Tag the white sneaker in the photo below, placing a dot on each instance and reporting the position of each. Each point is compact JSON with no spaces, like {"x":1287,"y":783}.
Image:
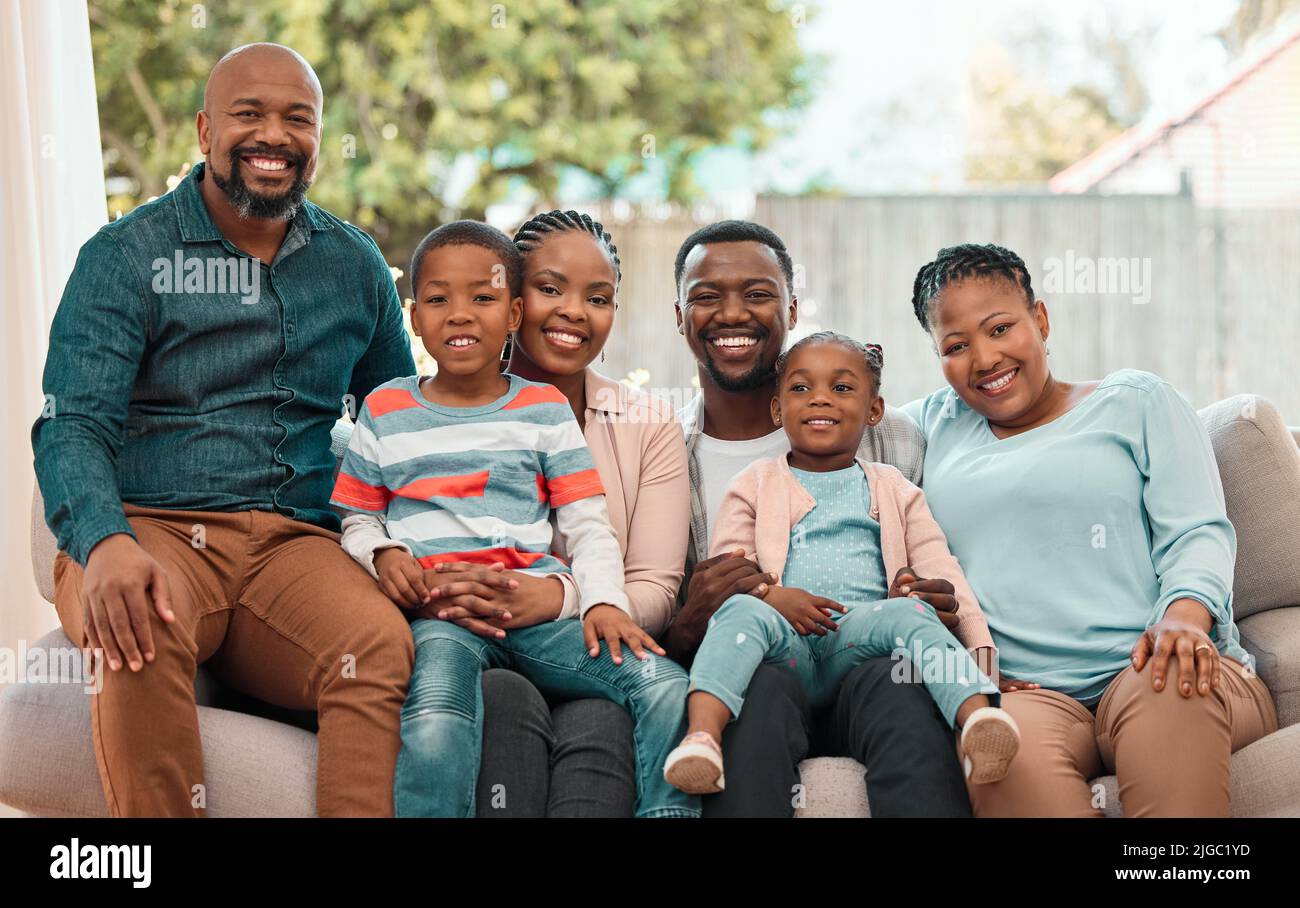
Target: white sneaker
{"x":695,"y":765}
{"x":989,"y":739}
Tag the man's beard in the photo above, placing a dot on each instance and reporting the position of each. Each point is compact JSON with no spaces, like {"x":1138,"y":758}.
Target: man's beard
{"x":250,"y":204}
{"x":761,"y":375}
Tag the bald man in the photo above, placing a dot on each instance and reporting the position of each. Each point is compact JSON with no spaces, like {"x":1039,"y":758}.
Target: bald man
{"x":203,"y":348}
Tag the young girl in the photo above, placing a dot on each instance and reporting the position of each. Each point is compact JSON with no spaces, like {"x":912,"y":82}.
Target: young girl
{"x":823,"y":520}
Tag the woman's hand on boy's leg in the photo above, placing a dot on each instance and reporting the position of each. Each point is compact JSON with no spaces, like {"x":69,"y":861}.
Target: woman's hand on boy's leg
{"x":611,"y":624}
{"x":807,"y":614}
{"x":508,"y":599}
{"x":941,"y":594}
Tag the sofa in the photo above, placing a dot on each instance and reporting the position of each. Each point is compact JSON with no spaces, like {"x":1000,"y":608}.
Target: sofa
{"x":261,"y":762}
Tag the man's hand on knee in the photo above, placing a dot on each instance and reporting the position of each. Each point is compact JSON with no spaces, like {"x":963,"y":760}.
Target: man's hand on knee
{"x":122,"y":583}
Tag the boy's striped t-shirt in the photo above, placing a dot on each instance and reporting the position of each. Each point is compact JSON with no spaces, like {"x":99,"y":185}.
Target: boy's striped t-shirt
{"x":472,"y":484}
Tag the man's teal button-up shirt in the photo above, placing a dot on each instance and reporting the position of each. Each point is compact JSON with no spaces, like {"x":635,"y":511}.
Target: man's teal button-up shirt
{"x":184,"y":374}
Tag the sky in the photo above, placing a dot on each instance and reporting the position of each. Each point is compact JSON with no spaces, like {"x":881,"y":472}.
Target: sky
{"x":889,"y":113}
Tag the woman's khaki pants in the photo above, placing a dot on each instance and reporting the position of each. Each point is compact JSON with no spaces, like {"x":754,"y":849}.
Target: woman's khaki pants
{"x":1172,"y":755}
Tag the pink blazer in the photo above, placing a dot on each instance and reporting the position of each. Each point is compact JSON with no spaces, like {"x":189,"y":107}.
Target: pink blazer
{"x":765,"y":501}
{"x":640,"y":454}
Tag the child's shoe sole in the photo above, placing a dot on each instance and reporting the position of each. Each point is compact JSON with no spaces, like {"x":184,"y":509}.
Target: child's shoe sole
{"x":989,"y":739}
{"x":695,"y":769}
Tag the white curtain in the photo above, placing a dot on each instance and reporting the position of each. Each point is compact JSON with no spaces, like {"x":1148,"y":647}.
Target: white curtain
{"x":51,"y":201}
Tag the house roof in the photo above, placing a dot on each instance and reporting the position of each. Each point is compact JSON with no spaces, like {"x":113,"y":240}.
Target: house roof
{"x":1087,"y":172}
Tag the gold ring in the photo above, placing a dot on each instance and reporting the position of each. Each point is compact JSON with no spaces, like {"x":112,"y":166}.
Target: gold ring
{"x":1201,"y":647}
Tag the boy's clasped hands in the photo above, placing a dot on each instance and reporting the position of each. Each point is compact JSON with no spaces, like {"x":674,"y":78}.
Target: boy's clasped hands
{"x":489,"y":600}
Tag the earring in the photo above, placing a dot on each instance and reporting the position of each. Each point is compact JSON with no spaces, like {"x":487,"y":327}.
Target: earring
{"x":602,"y":356}
{"x":777,"y":419}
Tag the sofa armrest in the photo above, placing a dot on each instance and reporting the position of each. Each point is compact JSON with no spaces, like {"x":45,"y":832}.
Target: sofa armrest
{"x":1273,"y":638}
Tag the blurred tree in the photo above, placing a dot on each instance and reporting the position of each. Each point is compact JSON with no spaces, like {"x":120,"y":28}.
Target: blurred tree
{"x":1023,"y":129}
{"x":1254,"y":17}
{"x":435,"y":109}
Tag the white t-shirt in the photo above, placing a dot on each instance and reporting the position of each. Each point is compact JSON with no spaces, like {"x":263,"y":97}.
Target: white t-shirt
{"x":720,"y":461}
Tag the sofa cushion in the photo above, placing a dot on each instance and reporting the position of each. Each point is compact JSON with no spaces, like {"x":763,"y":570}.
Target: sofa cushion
{"x":1273,"y":638}
{"x":832,"y":787}
{"x":1260,"y":467}
{"x":254,"y":767}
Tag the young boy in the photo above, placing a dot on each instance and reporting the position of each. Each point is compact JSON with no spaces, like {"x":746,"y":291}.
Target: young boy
{"x":468,"y":466}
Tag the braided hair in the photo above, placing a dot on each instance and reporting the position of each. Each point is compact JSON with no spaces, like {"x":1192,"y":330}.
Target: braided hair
{"x":957,"y":263}
{"x":533,"y":233}
{"x":872,"y":354}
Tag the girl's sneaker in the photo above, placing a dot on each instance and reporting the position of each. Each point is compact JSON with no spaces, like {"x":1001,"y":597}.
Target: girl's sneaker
{"x":695,"y":765}
{"x":989,"y":739}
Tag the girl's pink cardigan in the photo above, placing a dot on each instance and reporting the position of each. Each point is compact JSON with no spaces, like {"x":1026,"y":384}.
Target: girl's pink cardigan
{"x":765,"y":501}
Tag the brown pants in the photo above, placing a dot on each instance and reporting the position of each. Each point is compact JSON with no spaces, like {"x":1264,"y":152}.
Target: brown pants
{"x":280,"y":612}
{"x":1172,"y":756}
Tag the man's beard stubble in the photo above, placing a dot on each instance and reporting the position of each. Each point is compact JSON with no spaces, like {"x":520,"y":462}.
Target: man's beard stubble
{"x":250,"y":204}
{"x":761,"y":375}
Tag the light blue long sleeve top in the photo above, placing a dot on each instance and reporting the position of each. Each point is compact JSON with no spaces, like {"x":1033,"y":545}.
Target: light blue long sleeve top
{"x":1078,"y":534}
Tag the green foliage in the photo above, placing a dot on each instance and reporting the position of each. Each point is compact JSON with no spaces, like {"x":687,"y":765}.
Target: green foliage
{"x":524,"y":91}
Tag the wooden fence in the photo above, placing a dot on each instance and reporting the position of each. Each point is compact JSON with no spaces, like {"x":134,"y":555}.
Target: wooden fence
{"x":1209,"y":299}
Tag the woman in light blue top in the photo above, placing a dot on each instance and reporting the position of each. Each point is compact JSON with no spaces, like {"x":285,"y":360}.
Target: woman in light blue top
{"x":1089,"y":519}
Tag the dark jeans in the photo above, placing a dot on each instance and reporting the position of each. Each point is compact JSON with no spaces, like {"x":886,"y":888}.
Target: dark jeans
{"x":577,"y":759}
{"x":572,"y":759}
{"x":894,"y":730}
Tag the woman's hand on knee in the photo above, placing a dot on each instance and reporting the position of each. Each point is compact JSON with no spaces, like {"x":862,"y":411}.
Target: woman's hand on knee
{"x":1180,"y":635}
{"x":615,"y":626}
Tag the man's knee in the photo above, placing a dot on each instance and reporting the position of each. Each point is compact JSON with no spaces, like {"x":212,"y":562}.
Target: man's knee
{"x":380,"y":648}
{"x":889,"y":687}
{"x":775,"y":697}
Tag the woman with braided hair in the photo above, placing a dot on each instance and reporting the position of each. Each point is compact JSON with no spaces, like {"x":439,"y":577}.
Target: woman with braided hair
{"x":576,"y":759}
{"x":1089,"y":519}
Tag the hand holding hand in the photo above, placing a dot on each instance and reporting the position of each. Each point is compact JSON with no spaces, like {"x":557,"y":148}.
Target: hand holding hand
{"x":941,"y":594}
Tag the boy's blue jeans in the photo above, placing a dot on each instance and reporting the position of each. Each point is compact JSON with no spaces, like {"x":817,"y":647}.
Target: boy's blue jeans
{"x":442,"y":720}
{"x":746,"y":632}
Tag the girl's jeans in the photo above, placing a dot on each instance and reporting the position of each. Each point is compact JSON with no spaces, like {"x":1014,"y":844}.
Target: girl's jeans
{"x":746,"y":632}
{"x":442,"y":720}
